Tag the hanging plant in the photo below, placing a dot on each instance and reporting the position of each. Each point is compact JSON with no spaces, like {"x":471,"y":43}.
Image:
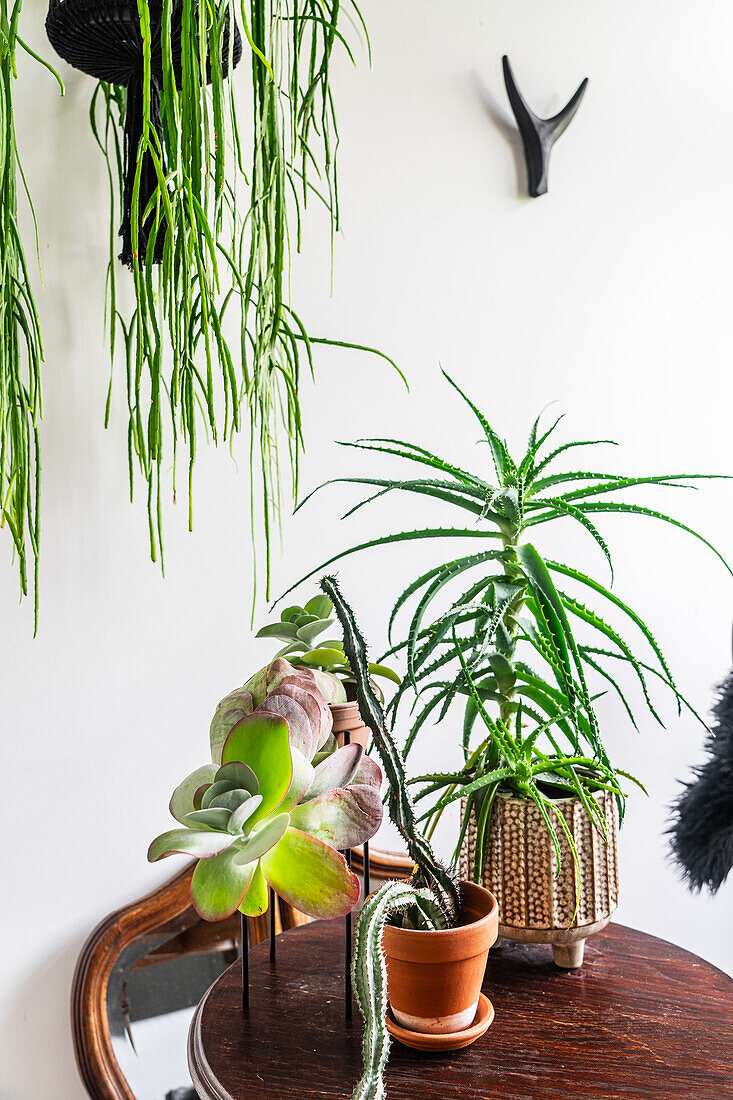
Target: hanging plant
{"x":202,"y":238}
{"x":21,"y":347}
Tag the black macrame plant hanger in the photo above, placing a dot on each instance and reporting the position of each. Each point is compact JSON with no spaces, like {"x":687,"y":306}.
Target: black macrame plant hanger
{"x":103,"y":39}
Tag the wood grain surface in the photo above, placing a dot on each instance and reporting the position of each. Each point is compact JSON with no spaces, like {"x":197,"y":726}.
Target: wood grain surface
{"x":641,"y":1019}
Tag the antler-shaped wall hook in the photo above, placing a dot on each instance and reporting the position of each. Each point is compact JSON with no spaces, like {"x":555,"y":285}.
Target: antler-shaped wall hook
{"x":538,"y":134}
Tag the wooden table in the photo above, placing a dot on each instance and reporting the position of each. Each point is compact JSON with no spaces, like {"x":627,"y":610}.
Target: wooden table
{"x":641,"y":1018}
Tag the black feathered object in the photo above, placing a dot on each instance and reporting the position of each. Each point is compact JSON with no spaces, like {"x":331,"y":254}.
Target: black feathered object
{"x":104,"y":40}
{"x":702,"y":828}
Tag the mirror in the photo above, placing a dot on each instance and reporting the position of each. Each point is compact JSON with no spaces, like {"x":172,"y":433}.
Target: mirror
{"x":152,"y":993}
{"x":141,"y":975}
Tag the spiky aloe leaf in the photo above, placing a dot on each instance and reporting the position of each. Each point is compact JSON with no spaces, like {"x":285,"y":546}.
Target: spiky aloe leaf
{"x":558,"y":507}
{"x":400,"y":536}
{"x":502,"y":460}
{"x":411,"y":451}
{"x":369,"y":975}
{"x":577,"y":575}
{"x":588,"y":616}
{"x":401,"y":808}
{"x":638,"y":510}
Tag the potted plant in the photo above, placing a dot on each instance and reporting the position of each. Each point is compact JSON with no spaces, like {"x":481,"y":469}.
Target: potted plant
{"x":506,"y":640}
{"x":421,"y":947}
{"x":299,"y":628}
{"x":274,"y":804}
{"x":539,"y":828}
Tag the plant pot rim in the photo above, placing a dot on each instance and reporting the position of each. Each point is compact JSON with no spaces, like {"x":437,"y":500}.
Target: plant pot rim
{"x":564,"y":801}
{"x":445,"y":935}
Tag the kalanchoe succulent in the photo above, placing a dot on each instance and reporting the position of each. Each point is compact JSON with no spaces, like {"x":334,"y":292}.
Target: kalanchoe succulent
{"x":299,"y":628}
{"x":275,"y":804}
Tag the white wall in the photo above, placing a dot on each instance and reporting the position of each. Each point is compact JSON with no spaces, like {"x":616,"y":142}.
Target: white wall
{"x":610,"y":295}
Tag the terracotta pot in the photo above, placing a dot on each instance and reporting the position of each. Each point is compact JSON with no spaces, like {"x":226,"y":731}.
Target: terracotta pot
{"x":346,"y":717}
{"x":434,"y":978}
{"x":536,"y":904}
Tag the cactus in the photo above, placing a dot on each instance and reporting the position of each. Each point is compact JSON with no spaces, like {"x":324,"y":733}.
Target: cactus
{"x":369,"y":974}
{"x":430,"y":871}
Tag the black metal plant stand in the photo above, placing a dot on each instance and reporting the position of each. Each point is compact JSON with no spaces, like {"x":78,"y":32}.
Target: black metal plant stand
{"x":347,"y":930}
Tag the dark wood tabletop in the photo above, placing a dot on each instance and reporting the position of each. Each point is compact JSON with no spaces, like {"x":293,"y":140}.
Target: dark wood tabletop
{"x":640,"y":1019}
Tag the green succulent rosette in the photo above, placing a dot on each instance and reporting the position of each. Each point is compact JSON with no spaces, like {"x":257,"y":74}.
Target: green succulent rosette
{"x":275,"y":804}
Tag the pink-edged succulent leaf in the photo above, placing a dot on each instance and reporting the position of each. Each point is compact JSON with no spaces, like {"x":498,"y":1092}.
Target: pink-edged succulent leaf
{"x":268,"y":678}
{"x":241,"y":816}
{"x":219,"y":885}
{"x":342,"y":818}
{"x":330,"y":687}
{"x":229,"y":711}
{"x":262,"y":742}
{"x":368,"y":774}
{"x":302,"y":735}
{"x":190,"y":842}
{"x":307,"y":694}
{"x":311,"y":876}
{"x":211,"y":792}
{"x":255,"y":901}
{"x":303,"y":775}
{"x":208,"y":819}
{"x":182,"y":799}
{"x":337,"y":770}
{"x":239,"y":775}
{"x":230,"y":800}
{"x":262,"y":838}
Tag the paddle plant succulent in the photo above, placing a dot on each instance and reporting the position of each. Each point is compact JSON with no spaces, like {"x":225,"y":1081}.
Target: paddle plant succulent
{"x":299,"y":627}
{"x":275,"y":803}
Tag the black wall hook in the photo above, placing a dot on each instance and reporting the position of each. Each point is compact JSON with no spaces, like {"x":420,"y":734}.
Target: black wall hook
{"x":538,"y":134}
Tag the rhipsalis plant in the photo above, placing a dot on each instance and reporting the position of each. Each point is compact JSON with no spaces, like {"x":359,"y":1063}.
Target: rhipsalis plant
{"x":430,"y":871}
{"x":299,"y":628}
{"x":209,"y":226}
{"x":21,"y":347}
{"x":523,"y":637}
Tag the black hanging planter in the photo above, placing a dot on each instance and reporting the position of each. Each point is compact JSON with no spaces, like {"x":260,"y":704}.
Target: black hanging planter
{"x":103,"y":39}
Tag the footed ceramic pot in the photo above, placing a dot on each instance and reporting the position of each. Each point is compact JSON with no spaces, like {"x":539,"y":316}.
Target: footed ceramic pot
{"x":536,"y":904}
{"x":434,"y":978}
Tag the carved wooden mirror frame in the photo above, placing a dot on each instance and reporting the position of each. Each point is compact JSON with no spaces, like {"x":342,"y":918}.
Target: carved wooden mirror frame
{"x":166,"y":911}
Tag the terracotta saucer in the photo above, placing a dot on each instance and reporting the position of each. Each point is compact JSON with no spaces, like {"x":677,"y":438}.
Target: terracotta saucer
{"x":455,"y":1040}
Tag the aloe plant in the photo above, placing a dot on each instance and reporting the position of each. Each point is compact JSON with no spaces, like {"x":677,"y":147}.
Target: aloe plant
{"x":525,"y":764}
{"x":275,"y":804}
{"x":299,"y":628}
{"x":21,"y":345}
{"x":516,"y":626}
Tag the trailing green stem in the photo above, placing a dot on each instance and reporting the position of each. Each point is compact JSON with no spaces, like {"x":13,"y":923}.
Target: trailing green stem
{"x":21,"y":346}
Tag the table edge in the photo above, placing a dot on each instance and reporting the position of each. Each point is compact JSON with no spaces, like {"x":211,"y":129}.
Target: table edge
{"x":202,"y":1075}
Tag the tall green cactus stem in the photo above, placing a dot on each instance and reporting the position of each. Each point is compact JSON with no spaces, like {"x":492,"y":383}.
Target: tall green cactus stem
{"x":369,"y":975}
{"x":401,"y":808}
